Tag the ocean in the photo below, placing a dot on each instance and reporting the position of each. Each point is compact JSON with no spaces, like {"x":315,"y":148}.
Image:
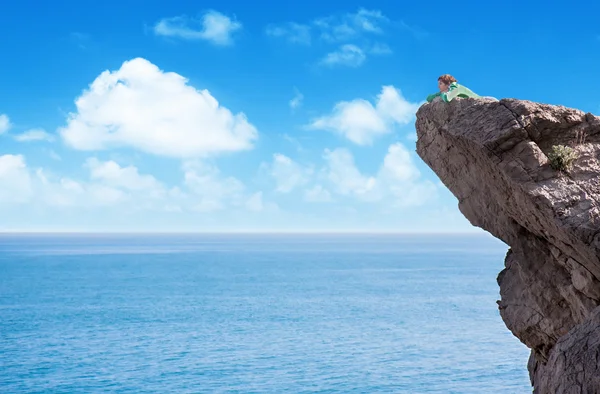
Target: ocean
{"x":255,"y":313}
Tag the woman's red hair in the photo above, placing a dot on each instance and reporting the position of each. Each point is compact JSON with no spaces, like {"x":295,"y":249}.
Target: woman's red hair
{"x":447,"y":79}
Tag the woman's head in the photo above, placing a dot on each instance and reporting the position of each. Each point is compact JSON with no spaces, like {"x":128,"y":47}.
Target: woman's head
{"x":444,"y":82}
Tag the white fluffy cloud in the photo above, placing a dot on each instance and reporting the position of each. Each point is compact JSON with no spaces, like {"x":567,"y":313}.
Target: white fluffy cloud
{"x":347,"y":55}
{"x":403,"y":179}
{"x":111,"y":188}
{"x":288,"y":174}
{"x":397,"y":180}
{"x":15,"y":180}
{"x":108,"y":184}
{"x":380,"y":49}
{"x":255,"y":202}
{"x":361,"y":122}
{"x":213,"y":26}
{"x":202,"y":189}
{"x":342,"y":173}
{"x":5,"y":124}
{"x":353,"y":30}
{"x":54,"y":191}
{"x":34,"y":135}
{"x":210,"y":190}
{"x":296,"y":33}
{"x":129,"y":178}
{"x":157,"y":112}
{"x":398,"y":165}
{"x":317,"y":194}
{"x":337,"y":28}
{"x":333,"y":28}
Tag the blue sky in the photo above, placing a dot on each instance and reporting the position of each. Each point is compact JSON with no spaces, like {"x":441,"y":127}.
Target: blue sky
{"x":257,"y":116}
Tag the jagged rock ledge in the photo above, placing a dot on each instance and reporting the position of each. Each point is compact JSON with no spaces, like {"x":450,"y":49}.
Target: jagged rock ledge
{"x":493,"y":156}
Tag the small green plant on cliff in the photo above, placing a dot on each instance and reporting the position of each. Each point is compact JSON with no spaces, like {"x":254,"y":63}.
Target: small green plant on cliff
{"x":562,"y":157}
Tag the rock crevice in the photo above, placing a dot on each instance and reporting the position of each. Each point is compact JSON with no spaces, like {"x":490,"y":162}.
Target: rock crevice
{"x":493,"y":156}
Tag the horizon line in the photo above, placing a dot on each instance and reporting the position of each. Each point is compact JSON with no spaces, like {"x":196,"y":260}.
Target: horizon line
{"x":242,"y":232}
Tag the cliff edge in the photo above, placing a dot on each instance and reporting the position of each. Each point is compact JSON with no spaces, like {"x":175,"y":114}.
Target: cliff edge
{"x":499,"y":159}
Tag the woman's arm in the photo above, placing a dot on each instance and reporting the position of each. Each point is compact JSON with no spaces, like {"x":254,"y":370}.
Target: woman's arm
{"x":432,"y":96}
{"x":452,"y":92}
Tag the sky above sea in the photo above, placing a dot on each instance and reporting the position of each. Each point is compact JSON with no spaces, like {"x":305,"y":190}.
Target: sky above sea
{"x":258,"y":116}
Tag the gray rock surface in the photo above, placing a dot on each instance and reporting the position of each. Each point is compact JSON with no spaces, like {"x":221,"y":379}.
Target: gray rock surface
{"x":574,"y":365}
{"x":493,"y":156}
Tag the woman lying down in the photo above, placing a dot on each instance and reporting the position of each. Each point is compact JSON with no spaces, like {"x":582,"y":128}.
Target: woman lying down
{"x":450,"y":89}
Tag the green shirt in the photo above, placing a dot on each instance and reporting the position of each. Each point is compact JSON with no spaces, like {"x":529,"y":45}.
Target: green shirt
{"x":454,"y":90}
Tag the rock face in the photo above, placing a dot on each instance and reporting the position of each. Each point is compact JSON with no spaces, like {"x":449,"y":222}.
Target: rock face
{"x":493,"y":156}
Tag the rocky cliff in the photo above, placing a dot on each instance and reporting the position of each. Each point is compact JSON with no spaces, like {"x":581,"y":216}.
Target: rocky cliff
{"x":500,"y":159}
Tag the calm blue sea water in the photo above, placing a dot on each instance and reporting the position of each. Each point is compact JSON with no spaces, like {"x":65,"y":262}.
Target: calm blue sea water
{"x":255,"y":314}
